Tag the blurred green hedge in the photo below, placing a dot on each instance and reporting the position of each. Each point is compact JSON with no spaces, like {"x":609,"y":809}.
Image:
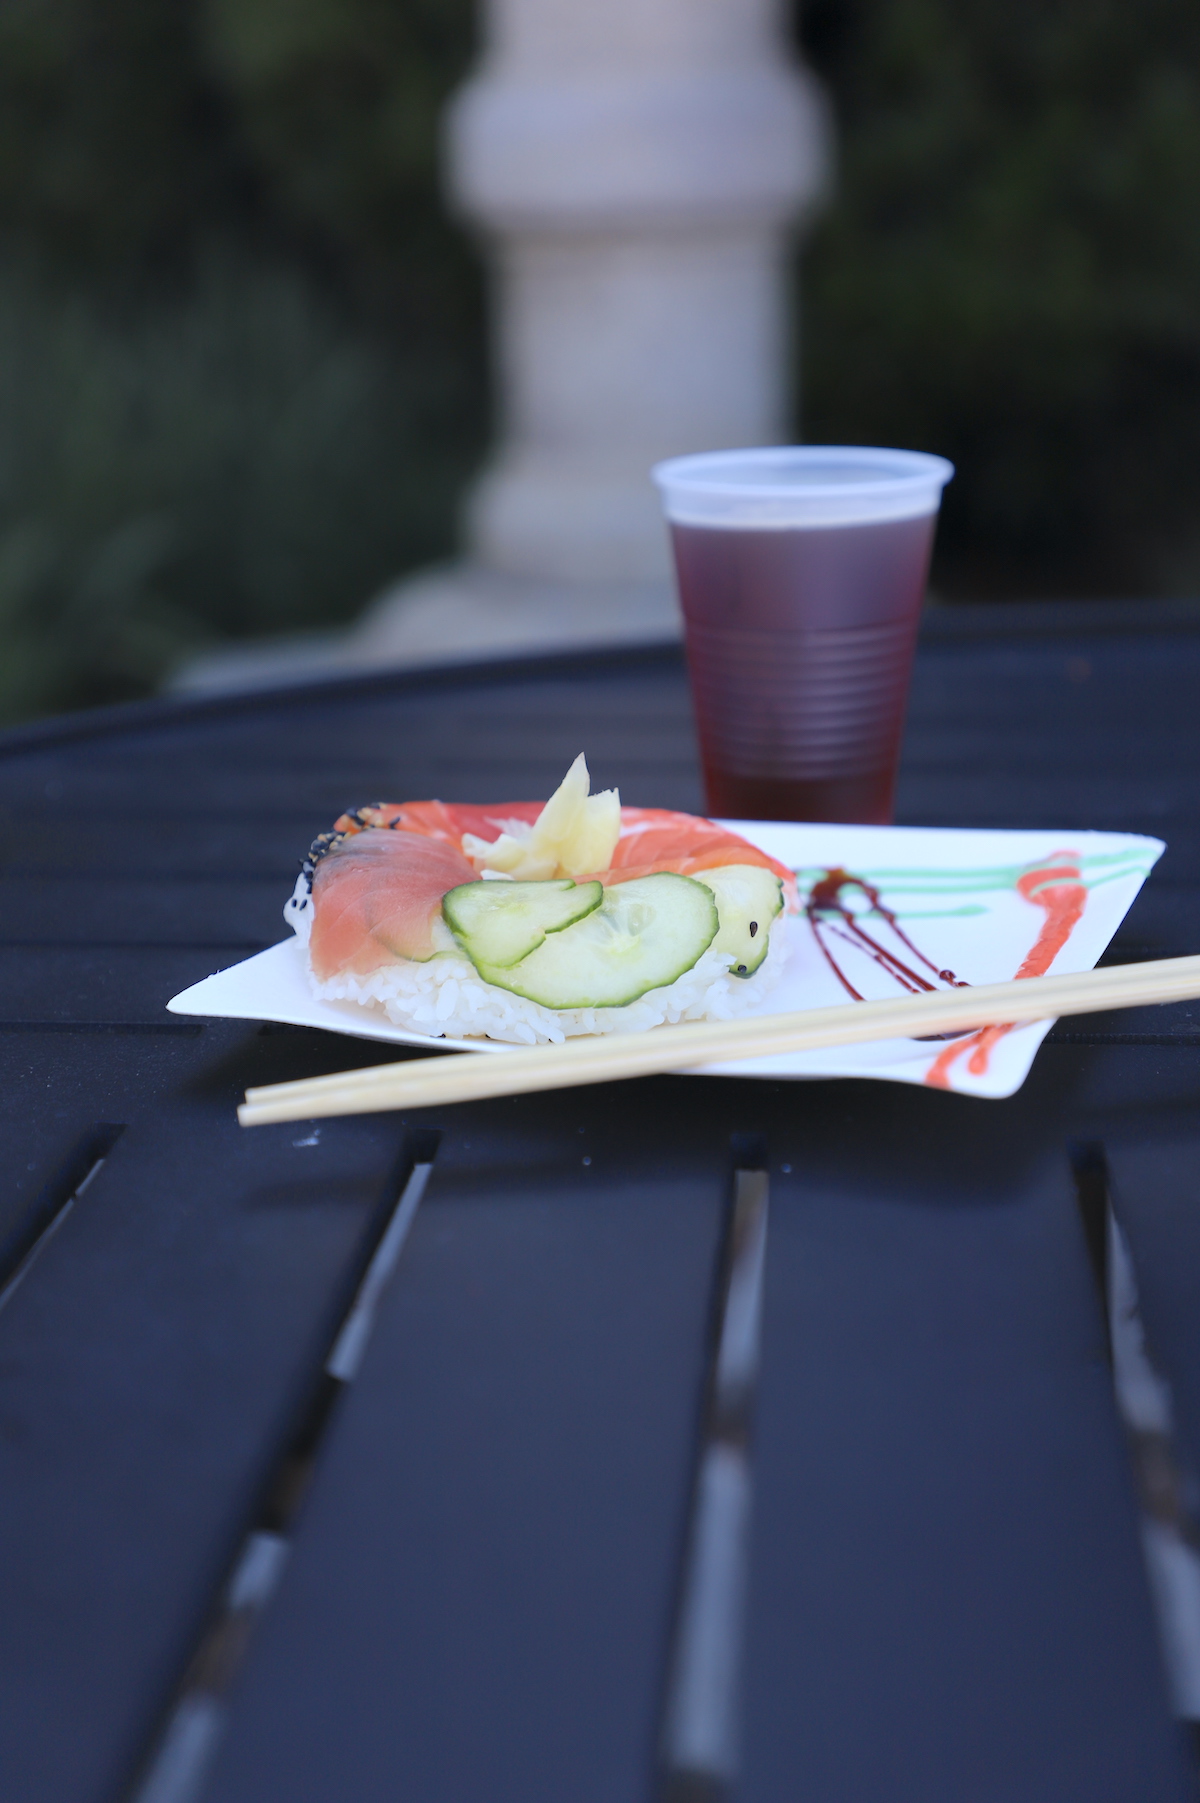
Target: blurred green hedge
{"x":242,"y":378}
{"x":242,"y":370}
{"x":1010,"y":275}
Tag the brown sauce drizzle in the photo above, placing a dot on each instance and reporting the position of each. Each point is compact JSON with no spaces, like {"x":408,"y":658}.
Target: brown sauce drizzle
{"x":830,"y":917}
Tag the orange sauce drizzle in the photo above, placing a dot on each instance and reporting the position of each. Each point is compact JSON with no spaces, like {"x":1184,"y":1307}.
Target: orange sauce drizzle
{"x":1057,"y":887}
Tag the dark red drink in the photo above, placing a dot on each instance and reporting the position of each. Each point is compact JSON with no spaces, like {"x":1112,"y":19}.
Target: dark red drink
{"x":800,"y":644}
{"x":801,"y":573}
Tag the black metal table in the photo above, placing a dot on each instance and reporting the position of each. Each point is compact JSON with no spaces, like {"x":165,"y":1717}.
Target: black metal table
{"x":237,"y":1570}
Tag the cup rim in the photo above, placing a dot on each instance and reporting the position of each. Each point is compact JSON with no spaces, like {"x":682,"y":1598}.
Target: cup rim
{"x":699,"y":472}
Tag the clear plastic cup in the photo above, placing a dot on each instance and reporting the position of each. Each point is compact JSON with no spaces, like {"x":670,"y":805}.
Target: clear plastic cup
{"x":801,"y":575}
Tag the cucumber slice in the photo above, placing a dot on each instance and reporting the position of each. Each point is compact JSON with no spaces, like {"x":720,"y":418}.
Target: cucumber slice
{"x":644,"y":934}
{"x":748,"y":899}
{"x":501,"y":923}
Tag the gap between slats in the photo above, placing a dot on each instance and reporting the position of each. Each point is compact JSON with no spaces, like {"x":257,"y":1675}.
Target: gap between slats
{"x":123,"y":873}
{"x":172,"y":1029}
{"x":245,"y":946}
{"x":181,"y":1751}
{"x":1167,"y":1492}
{"x":698,"y":1750}
{"x":50,"y":1209}
{"x":1184,"y":1040}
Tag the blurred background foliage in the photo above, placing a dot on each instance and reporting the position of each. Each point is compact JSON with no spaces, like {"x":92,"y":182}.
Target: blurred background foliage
{"x":242,"y":379}
{"x":242,"y":367}
{"x":1010,"y":275}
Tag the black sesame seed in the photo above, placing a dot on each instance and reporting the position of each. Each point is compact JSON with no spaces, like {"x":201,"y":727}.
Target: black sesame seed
{"x":753,"y":928}
{"x":741,"y":970}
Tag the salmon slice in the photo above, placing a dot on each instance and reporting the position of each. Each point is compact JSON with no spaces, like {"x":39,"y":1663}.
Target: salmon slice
{"x":652,"y":839}
{"x":376,"y":896}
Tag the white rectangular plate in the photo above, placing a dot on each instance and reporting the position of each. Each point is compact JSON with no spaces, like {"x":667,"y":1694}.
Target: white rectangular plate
{"x":955,"y":897}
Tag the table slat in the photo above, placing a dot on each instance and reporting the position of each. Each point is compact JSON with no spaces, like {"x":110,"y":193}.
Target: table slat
{"x":479,"y":1601}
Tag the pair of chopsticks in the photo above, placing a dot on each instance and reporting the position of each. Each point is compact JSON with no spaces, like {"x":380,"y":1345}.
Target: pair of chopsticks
{"x":425,"y":1082}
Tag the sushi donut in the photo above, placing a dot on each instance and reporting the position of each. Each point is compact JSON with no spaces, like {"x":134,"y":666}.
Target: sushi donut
{"x":534,"y":922}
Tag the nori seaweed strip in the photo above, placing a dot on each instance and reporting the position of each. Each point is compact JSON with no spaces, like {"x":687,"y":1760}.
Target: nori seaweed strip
{"x":357,"y":821}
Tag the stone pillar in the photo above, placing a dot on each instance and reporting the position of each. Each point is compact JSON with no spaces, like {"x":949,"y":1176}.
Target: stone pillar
{"x":636,"y":166}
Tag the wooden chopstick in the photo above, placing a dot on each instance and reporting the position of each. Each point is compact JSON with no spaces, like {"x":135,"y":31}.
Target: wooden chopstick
{"x":464,"y":1077}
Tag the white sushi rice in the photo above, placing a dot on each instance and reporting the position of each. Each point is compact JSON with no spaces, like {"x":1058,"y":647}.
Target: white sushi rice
{"x":446,"y":997}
